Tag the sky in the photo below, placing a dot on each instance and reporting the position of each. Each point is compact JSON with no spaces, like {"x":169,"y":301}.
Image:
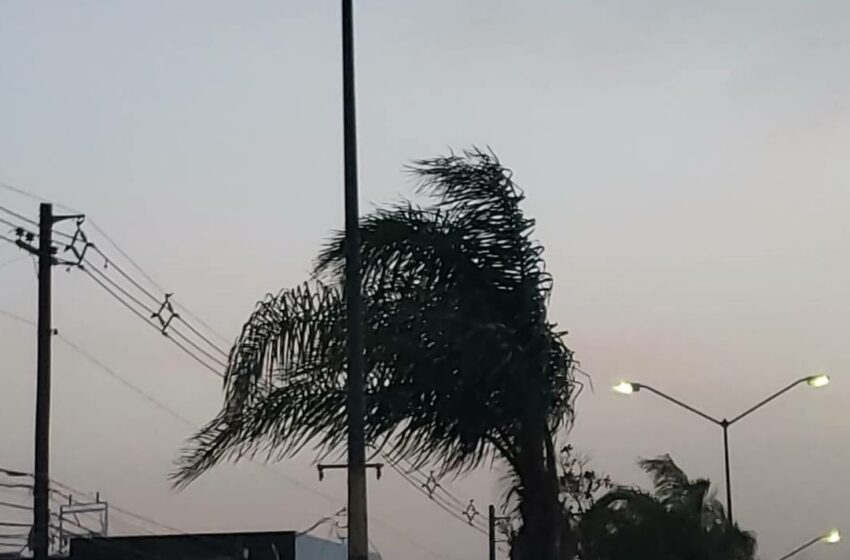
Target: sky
{"x":684,"y":162}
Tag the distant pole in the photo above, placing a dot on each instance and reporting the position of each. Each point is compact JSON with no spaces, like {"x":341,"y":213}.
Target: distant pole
{"x":725,"y":425}
{"x":41,"y":501}
{"x":358,"y":531}
{"x":491,"y":530}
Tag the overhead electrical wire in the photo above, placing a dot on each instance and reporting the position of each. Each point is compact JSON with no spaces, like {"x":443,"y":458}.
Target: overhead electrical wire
{"x":192,"y":348}
{"x":170,"y":411}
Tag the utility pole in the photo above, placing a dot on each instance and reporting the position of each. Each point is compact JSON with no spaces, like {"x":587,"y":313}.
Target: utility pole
{"x":492,"y":519}
{"x":491,"y":531}
{"x":46,"y":259}
{"x":41,"y":494}
{"x":358,"y":530}
{"x":727,"y":469}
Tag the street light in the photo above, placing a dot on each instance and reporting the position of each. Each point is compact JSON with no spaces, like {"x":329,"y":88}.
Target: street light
{"x":625,"y":388}
{"x":818,"y":380}
{"x":833,"y":537}
{"x":830,"y":538}
{"x":629,"y":387}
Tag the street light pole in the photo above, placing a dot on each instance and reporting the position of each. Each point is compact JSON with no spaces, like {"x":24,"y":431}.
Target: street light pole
{"x":627,"y":388}
{"x":358,"y":532}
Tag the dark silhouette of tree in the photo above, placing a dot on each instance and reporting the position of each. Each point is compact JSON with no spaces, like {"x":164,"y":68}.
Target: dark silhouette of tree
{"x":463,"y":364}
{"x":579,"y":487}
{"x":679,"y":520}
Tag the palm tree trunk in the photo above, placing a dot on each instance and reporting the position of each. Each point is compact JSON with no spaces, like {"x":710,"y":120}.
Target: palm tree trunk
{"x":541,"y":533}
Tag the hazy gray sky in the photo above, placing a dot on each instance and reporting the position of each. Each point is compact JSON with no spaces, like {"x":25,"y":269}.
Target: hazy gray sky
{"x":685,"y":162}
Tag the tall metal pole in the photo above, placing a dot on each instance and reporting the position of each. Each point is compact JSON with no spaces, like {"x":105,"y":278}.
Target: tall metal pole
{"x":358,"y":532}
{"x":813,"y":380}
{"x":41,"y":502}
{"x":725,"y":425}
{"x":491,"y":530}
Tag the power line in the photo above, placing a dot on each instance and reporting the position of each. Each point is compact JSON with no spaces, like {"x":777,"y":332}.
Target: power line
{"x":435,"y":490}
{"x":112,"y":506}
{"x":168,"y":410}
{"x":158,"y":300}
{"x":127,"y":384}
{"x":15,"y":486}
{"x":9,"y":240}
{"x":432,"y":484}
{"x":122,"y":252}
{"x":105,"y":281}
{"x":113,"y":264}
{"x":18,"y":216}
{"x":179,"y":338}
{"x":459,"y":516}
{"x":201,"y":336}
{"x":19,"y":227}
{"x":14,"y":226}
{"x":153,"y":313}
{"x":224,"y":340}
{"x":153,"y":400}
{"x":90,"y":268}
{"x":33,"y":196}
{"x":445,"y":507}
{"x":149,"y":322}
{"x":12,"y":505}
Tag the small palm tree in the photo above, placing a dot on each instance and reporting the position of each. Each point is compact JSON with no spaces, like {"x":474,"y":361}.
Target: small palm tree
{"x":681,"y":518}
{"x":463,"y":364}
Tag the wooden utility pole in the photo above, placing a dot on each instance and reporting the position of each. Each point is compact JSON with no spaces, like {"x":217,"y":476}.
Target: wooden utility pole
{"x":358,"y":532}
{"x":40,"y":535}
{"x":41,"y":494}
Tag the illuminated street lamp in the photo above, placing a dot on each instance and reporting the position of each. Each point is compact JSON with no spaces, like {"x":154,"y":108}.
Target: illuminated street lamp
{"x":818,"y":381}
{"x":830,"y":538}
{"x":625,"y":388}
{"x":628,"y":388}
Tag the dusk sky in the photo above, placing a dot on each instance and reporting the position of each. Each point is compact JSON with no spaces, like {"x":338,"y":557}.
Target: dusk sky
{"x":685,"y":162}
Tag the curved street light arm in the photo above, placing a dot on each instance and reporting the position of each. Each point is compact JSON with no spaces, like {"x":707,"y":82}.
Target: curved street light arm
{"x":679,"y":403}
{"x":797,"y":550}
{"x":767,"y":400}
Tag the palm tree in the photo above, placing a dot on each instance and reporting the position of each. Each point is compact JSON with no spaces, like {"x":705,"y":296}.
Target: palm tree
{"x":680,"y":519}
{"x":463,"y":364}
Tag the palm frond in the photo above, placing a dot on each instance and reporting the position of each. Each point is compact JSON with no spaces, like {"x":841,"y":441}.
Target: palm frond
{"x":681,"y":518}
{"x":283,"y":385}
{"x":460,"y":356}
{"x":468,"y":270}
{"x":669,"y":481}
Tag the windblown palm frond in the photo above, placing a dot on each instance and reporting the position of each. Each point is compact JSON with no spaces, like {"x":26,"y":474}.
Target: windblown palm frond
{"x":470,"y":286}
{"x":283,"y":386}
{"x":462,"y":363}
{"x":672,"y":486}
{"x":681,"y":518}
